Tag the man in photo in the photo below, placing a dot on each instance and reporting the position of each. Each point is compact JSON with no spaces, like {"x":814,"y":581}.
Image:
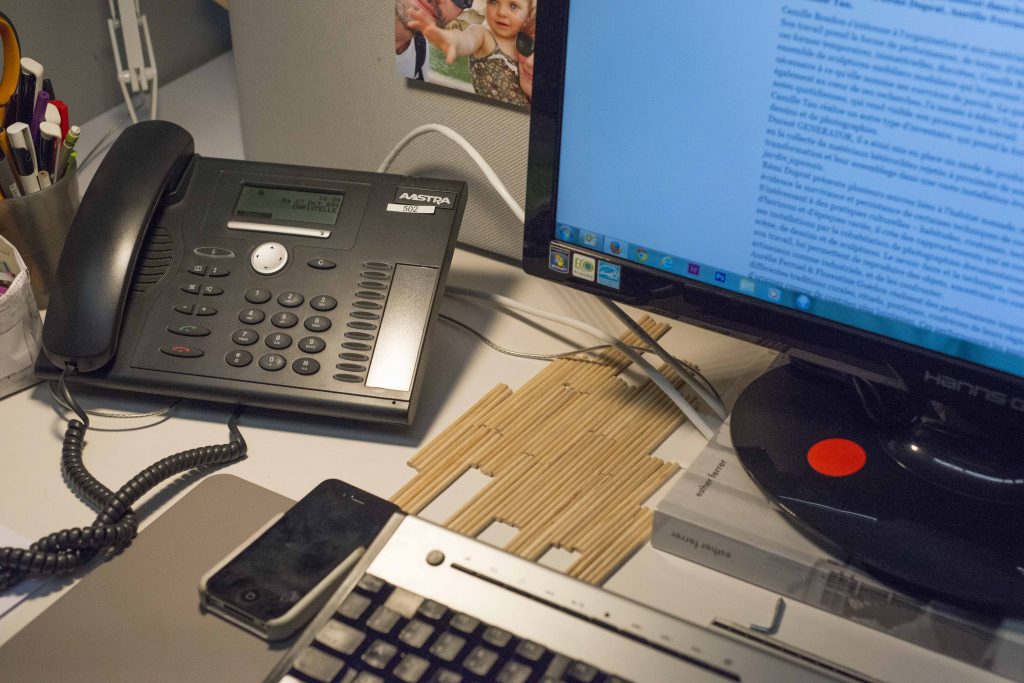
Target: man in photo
{"x":410,"y":46}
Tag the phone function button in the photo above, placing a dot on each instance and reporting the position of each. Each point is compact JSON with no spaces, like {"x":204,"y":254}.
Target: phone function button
{"x":285,"y":320}
{"x":360,"y":357}
{"x":251,"y":316}
{"x":197,"y":269}
{"x":306,"y":366}
{"x":364,"y":336}
{"x":367,"y":305}
{"x":218,"y":271}
{"x":377,"y":265}
{"x":189,"y":330}
{"x":290,"y":299}
{"x":351,"y":367}
{"x":322,"y":264}
{"x":312,"y":344}
{"x":365,"y":294}
{"x":373,"y":284}
{"x":214,"y":252}
{"x":374,"y":275}
{"x":365,"y":315}
{"x":351,"y":379}
{"x":278,"y":341}
{"x":181,"y":351}
{"x":356,"y":346}
{"x":192,"y":288}
{"x":245,"y":337}
{"x":269,"y":258}
{"x":317,"y":323}
{"x":250,"y":595}
{"x":361,"y":325}
{"x":273,"y":362}
{"x":187,"y":309}
{"x":206,"y":310}
{"x":210,"y":290}
{"x":323,"y":303}
{"x":238,"y":359}
{"x":258,"y":296}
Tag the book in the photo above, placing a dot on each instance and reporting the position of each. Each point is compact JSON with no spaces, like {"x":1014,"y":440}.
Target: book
{"x":717,"y":516}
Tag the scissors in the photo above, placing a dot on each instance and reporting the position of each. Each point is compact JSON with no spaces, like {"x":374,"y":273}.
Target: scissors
{"x":12,"y":63}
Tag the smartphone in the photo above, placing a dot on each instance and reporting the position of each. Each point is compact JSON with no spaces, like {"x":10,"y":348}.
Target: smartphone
{"x":277,"y":580}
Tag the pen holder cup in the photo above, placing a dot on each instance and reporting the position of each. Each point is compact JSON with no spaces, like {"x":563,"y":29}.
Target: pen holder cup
{"x":37,"y":225}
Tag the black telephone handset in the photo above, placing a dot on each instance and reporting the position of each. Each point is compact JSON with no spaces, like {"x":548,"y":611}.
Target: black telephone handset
{"x":103,"y":244}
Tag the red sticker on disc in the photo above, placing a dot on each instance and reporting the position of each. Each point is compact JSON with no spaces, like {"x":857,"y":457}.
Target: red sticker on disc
{"x":837,"y":457}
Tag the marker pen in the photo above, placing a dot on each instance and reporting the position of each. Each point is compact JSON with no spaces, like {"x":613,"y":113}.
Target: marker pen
{"x":49,"y":146}
{"x":28,"y":88}
{"x":27,"y":178}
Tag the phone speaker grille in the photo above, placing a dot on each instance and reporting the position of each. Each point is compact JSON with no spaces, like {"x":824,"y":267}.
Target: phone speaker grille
{"x":154,"y":261}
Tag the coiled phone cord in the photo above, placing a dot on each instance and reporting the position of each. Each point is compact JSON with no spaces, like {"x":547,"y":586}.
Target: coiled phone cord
{"x":116,"y":524}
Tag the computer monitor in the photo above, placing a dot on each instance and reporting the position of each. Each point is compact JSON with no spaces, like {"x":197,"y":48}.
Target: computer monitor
{"x":843,"y":179}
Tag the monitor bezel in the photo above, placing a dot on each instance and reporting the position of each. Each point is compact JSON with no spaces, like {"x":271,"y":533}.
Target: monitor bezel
{"x":921,"y":372}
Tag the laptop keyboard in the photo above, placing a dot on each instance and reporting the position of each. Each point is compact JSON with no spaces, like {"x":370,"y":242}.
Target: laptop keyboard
{"x":385,"y":633}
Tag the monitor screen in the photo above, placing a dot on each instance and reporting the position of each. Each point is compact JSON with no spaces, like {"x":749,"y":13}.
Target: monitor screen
{"x":842,"y":178}
{"x":861,"y":163}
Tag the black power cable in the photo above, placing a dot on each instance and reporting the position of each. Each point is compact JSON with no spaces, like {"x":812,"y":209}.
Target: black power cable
{"x":116,"y":525}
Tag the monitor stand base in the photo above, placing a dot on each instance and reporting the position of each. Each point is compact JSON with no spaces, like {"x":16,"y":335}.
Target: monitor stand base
{"x":808,"y":443}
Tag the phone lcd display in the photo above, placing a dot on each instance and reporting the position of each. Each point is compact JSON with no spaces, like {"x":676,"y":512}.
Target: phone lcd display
{"x":284,"y":204}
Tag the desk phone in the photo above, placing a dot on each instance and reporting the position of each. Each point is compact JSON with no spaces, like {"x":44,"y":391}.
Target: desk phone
{"x":307,"y":289}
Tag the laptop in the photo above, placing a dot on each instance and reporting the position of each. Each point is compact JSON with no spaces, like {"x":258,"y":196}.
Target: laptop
{"x":424,"y":604}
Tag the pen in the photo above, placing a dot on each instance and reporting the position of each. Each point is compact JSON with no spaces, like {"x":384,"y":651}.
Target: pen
{"x":52,"y":113}
{"x":38,"y":115}
{"x":62,"y":109}
{"x":72,"y":162}
{"x":48,"y":147}
{"x":65,"y":151}
{"x":7,"y":181}
{"x":28,"y":88}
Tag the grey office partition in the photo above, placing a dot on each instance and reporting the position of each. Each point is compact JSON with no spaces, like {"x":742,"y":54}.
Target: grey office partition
{"x":318,"y":85}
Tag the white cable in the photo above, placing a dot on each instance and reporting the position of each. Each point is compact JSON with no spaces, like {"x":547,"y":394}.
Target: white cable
{"x":670,"y":391}
{"x":492,"y":177}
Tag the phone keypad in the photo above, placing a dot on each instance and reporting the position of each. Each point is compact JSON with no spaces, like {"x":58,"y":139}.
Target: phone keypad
{"x":356,"y":324}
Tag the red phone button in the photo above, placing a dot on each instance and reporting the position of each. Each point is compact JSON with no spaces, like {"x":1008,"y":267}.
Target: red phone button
{"x":182,"y":351}
{"x":837,"y":457}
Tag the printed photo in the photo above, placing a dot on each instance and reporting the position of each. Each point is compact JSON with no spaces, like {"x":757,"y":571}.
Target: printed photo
{"x":479,"y":46}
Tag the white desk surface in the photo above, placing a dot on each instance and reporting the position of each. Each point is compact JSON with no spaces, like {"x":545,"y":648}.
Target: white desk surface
{"x":292,"y":453}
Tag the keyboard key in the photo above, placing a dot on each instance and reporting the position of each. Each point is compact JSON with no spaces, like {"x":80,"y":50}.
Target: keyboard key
{"x":383,"y":620}
{"x":367,"y":677}
{"x":480,"y":660}
{"x":416,"y":633}
{"x":340,"y":637}
{"x":464,"y":623}
{"x":432,"y":610}
{"x":530,"y":651}
{"x":446,"y":676}
{"x":411,"y":669}
{"x":582,"y":672}
{"x":514,"y":672}
{"x":447,"y":646}
{"x":498,"y":637}
{"x":404,"y":602}
{"x":354,"y":606}
{"x":557,"y":667}
{"x":371,"y":584}
{"x":379,"y":654}
{"x":318,"y":664}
